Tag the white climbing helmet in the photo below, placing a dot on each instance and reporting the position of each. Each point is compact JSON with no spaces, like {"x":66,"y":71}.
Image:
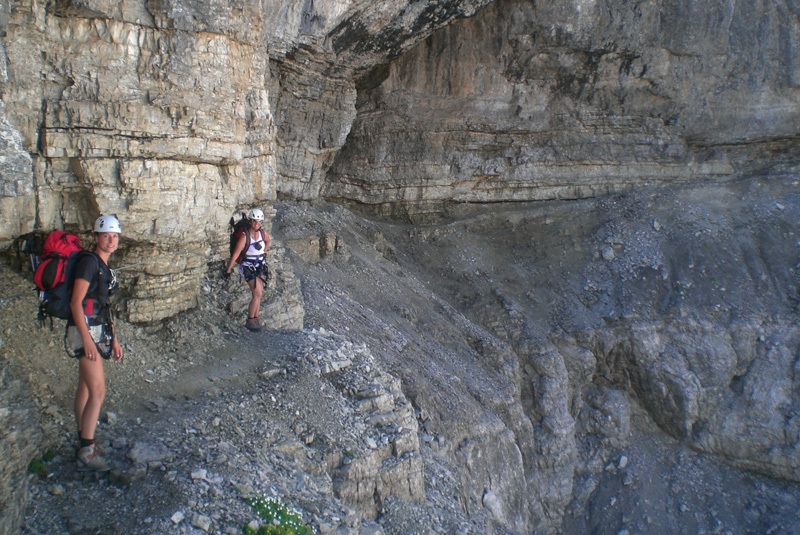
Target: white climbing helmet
{"x":256,"y":215}
{"x":107,"y":223}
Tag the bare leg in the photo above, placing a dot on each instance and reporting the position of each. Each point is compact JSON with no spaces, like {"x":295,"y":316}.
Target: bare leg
{"x":257,"y":287}
{"x":81,"y":396}
{"x":89,"y":396}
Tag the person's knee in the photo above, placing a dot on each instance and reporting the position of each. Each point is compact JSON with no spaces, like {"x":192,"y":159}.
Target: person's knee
{"x":98,"y":391}
{"x":96,"y":387}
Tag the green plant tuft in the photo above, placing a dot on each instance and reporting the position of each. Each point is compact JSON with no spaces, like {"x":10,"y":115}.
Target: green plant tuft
{"x":278,"y":518}
{"x":38,"y":468}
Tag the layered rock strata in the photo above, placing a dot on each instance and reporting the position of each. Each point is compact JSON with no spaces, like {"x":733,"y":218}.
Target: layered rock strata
{"x":139,"y":116}
{"x":176,"y":114}
{"x":573,"y":100}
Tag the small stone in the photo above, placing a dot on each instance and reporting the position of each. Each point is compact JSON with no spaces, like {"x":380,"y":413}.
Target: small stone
{"x":623,"y":462}
{"x":492,"y":503}
{"x":326,"y":528}
{"x":683,"y":508}
{"x":126,"y":477}
{"x":371,"y":443}
{"x":627,"y":479}
{"x":201,"y":522}
{"x":56,"y":490}
{"x":111,"y":418}
{"x":177,"y":518}
{"x":270,"y":373}
{"x":656,"y":225}
{"x":623,"y":531}
{"x":200,"y":474}
{"x":607,"y":253}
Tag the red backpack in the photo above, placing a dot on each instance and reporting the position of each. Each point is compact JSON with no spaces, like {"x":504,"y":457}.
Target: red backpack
{"x":59,"y":254}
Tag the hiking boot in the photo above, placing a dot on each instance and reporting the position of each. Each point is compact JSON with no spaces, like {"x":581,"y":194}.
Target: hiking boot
{"x":89,"y":459}
{"x":98,"y":449}
{"x":252,"y":324}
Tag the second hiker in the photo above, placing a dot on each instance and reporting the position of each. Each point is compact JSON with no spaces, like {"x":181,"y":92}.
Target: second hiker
{"x":250,"y":251}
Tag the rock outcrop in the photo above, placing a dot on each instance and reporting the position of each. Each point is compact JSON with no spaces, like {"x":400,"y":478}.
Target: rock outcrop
{"x":572,"y":100}
{"x":20,"y":440}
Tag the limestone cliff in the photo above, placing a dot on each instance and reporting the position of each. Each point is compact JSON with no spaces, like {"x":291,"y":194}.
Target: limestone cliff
{"x":574,"y":99}
{"x":174,"y":114}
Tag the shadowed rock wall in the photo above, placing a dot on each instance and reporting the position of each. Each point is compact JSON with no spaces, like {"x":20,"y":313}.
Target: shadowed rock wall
{"x":574,"y":99}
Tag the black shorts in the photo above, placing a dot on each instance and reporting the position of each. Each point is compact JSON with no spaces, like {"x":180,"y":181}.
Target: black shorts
{"x":250,"y":272}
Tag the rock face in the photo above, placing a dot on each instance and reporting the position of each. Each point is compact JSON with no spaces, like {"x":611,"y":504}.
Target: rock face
{"x":173,"y":118}
{"x":141,"y":117}
{"x":573,"y":100}
{"x":19,"y":444}
{"x":176,"y":114}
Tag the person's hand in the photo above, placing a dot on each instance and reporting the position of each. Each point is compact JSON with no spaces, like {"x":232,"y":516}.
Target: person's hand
{"x":226,"y":274}
{"x":116,"y":351}
{"x":90,"y":348}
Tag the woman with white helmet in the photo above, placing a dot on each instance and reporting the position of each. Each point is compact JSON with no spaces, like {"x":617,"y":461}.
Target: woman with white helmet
{"x":90,"y":334}
{"x":250,"y":252}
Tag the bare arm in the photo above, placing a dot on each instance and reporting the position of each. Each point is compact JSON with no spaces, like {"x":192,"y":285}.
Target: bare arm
{"x":79,"y":289}
{"x":116,"y":348}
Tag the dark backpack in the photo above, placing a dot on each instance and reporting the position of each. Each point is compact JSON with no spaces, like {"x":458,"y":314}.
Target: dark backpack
{"x":53,"y":275}
{"x":239,"y":228}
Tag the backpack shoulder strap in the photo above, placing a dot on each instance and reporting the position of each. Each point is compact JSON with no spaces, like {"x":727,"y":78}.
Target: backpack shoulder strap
{"x":243,"y":253}
{"x":88,"y":253}
{"x":79,"y":256}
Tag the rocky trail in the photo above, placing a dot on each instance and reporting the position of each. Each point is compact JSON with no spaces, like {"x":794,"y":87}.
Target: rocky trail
{"x":370,"y":419}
